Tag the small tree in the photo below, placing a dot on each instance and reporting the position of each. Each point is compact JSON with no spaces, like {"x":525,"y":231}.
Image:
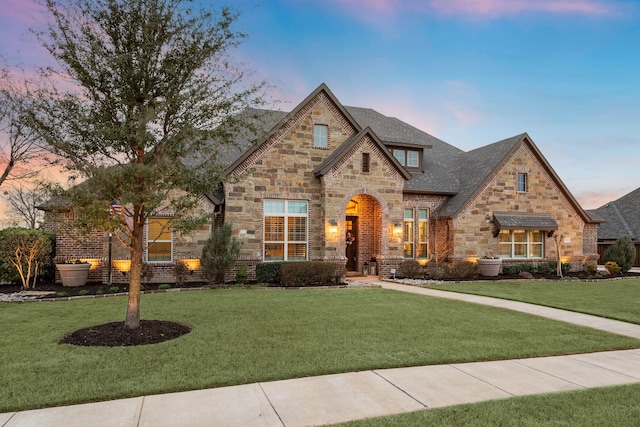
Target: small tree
{"x":147,"y":106}
{"x":26,"y":250}
{"x":219,"y":253}
{"x":622,"y":252}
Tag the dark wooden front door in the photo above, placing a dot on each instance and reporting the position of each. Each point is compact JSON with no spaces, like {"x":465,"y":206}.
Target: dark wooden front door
{"x":351,"y":251}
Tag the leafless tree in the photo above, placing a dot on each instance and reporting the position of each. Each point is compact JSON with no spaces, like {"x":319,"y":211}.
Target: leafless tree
{"x":23,"y":201}
{"x":19,"y":147}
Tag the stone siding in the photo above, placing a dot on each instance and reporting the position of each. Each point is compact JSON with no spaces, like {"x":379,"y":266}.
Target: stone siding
{"x":474,"y":227}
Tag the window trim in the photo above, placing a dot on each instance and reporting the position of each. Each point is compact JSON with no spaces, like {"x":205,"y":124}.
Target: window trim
{"x":319,"y":138}
{"x":285,"y":215}
{"x":528,"y":244}
{"x":423,"y":222}
{"x":409,"y":240}
{"x":150,"y":241}
{"x":522,"y":185}
{"x":404,"y":160}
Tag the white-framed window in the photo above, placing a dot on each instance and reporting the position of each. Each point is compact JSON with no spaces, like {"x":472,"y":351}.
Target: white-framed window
{"x":413,"y":160}
{"x":408,"y":233}
{"x":408,"y":158}
{"x":285,"y":230}
{"x":523,"y":184}
{"x":521,"y":243}
{"x":159,"y":240}
{"x":423,"y":233}
{"x":320,"y":136}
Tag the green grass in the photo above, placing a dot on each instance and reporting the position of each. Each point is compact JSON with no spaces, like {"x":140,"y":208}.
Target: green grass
{"x":246,"y":336}
{"x":611,"y":406}
{"x":618,"y":299}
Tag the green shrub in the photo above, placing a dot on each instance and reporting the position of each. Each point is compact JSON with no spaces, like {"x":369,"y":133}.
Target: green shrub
{"x":462,"y":270}
{"x":61,"y":294}
{"x":622,"y":252}
{"x":83,"y":292}
{"x":612,"y":267}
{"x":99,"y":292}
{"x":114,"y":289}
{"x":164,"y":286}
{"x":311,"y":273}
{"x":411,"y":269}
{"x":451,"y":270}
{"x":241,"y":274}
{"x":591,"y":268}
{"x":547,"y":268}
{"x":268,"y":272}
{"x":181,"y":271}
{"x":219,"y":254}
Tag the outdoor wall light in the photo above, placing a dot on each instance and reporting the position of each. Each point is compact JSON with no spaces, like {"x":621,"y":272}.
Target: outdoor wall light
{"x":333,"y":226}
{"x":397,"y":228}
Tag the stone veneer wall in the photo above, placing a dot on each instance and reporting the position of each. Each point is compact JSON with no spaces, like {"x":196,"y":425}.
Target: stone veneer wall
{"x":281,"y":168}
{"x":474,"y":228}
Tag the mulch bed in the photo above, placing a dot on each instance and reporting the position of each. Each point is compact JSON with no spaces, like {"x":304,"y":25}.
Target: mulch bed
{"x":115,"y":334}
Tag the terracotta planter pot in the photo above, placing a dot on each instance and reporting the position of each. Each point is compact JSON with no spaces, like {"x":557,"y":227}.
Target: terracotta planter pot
{"x":73,"y":275}
{"x":489,"y":267}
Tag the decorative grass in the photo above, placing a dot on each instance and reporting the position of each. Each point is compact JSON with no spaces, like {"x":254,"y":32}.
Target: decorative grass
{"x":246,"y":336}
{"x":609,"y":406}
{"x":616,"y":299}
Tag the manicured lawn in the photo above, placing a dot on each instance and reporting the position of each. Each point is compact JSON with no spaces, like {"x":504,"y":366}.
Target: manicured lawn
{"x":245,"y":336}
{"x":617,"y":299}
{"x":612,"y":406}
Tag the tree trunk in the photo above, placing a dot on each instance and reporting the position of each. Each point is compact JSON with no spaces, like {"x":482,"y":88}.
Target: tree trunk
{"x":132,"y":320}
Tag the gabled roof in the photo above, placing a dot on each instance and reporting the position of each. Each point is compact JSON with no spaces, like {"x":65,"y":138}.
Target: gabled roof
{"x":288,"y":116}
{"x":477,"y":168}
{"x":446,"y":169}
{"x":437,"y":176}
{"x":474,"y":169}
{"x":344,"y":148}
{"x":622,"y":216}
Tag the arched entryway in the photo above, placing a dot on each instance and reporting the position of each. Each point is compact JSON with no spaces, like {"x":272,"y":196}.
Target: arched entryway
{"x":363,"y":232}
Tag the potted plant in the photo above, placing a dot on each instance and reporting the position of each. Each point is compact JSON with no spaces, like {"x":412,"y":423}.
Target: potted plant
{"x":74,"y":273}
{"x":489,"y":265}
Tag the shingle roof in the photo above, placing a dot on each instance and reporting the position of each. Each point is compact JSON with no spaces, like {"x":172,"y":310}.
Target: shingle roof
{"x":524,"y":221}
{"x":446,"y":169}
{"x":474,"y":167}
{"x":339,"y":152}
{"x":622,"y":216}
{"x":438,"y":156}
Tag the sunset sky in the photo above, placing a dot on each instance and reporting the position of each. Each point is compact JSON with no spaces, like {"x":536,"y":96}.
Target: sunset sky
{"x":468,"y":72}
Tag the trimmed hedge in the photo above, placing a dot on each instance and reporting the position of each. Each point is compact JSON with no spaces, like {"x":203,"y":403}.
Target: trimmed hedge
{"x":311,"y":273}
{"x":268,"y":272}
{"x":299,"y":273}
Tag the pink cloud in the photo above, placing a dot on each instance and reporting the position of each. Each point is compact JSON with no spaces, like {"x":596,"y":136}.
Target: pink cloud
{"x":382,"y":10}
{"x":513,"y":7}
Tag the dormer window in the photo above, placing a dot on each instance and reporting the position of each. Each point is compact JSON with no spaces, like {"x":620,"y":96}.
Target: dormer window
{"x":407,"y":157}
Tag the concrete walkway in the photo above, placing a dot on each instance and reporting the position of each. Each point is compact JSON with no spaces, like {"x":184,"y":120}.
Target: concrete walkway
{"x":342,"y":397}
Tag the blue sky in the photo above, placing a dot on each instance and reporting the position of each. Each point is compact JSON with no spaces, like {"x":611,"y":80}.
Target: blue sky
{"x":468,"y":72}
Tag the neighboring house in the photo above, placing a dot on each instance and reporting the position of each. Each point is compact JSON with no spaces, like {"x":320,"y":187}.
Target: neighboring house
{"x":622,"y":218}
{"x":327,"y":174}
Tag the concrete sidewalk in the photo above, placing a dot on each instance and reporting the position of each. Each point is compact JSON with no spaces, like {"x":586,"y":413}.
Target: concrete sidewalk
{"x":342,"y":397}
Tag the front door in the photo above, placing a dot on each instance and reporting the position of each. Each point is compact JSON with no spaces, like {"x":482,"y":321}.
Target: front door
{"x":351,"y":252}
